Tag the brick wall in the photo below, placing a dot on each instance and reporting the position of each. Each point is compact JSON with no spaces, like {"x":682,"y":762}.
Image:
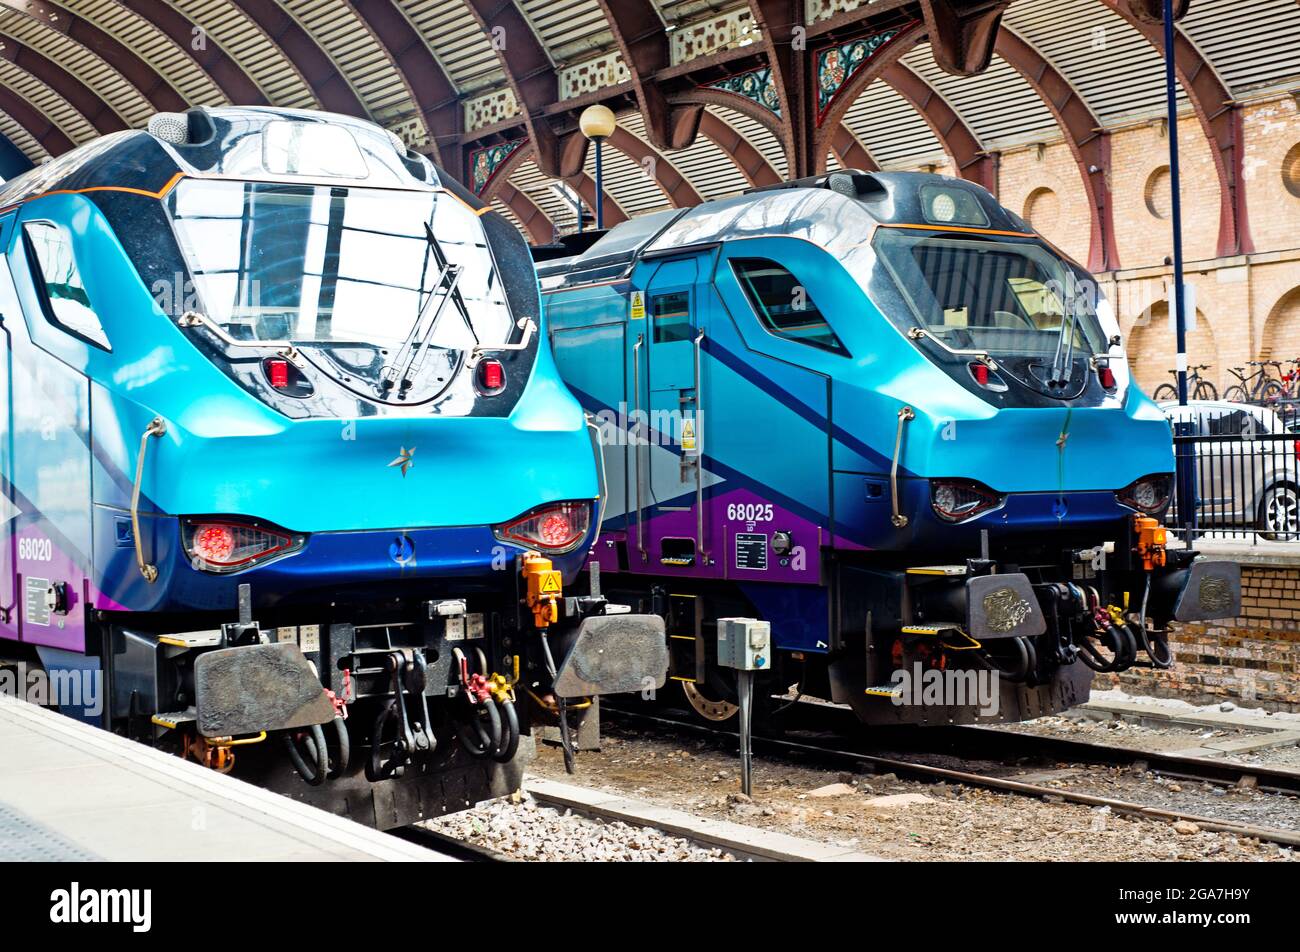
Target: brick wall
{"x":1247,"y":306}
{"x":1254,"y":660}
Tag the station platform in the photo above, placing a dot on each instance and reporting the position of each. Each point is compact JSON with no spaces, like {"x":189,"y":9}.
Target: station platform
{"x":71,"y":792}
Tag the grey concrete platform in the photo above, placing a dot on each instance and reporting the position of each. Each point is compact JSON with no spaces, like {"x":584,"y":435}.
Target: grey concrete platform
{"x":72,"y":792}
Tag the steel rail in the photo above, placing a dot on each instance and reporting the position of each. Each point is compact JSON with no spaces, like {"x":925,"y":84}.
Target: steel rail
{"x":944,"y":774}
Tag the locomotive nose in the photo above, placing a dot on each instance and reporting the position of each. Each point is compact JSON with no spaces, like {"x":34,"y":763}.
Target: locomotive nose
{"x":349,"y":475}
{"x":1056,"y":450}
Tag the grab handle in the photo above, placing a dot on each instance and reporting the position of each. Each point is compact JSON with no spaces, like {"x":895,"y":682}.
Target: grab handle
{"x":904,"y":415}
{"x":636,"y":444}
{"x":156,"y":427}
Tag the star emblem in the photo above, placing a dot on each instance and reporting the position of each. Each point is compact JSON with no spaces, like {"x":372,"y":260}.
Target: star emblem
{"x":404,"y":460}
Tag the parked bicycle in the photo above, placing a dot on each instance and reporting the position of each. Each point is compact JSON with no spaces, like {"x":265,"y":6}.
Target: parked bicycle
{"x":1198,"y":387}
{"x":1258,"y":386}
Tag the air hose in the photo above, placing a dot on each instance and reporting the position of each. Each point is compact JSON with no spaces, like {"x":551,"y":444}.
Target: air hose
{"x":315,"y":741}
{"x":345,"y":748}
{"x":479,"y":741}
{"x":510,"y":730}
{"x":1156,"y":646}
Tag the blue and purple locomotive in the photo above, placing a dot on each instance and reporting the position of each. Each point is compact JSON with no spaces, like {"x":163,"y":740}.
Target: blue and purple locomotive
{"x":880,"y":413}
{"x":287,"y":464}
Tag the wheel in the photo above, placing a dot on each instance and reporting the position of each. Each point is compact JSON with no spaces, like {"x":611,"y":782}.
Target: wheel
{"x":1268,"y":391}
{"x":1279,"y":514}
{"x":707,"y":707}
{"x":1235,"y":394}
{"x":1166,"y":391}
{"x":1205,"y":391}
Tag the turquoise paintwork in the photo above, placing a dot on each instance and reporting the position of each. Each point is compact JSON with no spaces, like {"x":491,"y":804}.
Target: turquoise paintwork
{"x":225,"y":452}
{"x":812,"y":431}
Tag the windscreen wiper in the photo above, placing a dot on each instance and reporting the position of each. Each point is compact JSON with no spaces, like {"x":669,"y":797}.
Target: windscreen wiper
{"x":410,"y":356}
{"x":1063,"y":360}
{"x":440,"y":259}
{"x":390,"y":374}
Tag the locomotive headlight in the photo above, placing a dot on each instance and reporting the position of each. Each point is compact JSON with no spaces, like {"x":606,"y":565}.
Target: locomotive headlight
{"x":1150,"y":494}
{"x":226,"y":545}
{"x":956,"y":500}
{"x":943,"y":208}
{"x":943,"y":205}
{"x":554,"y":528}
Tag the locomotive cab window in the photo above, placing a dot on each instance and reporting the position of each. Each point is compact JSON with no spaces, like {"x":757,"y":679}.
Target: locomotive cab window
{"x":58,"y":281}
{"x":784,"y":305}
{"x":1009,"y":298}
{"x":671,"y":314}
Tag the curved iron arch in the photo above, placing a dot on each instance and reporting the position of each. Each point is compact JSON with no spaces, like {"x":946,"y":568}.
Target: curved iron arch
{"x":422,"y":75}
{"x":1220,"y":120}
{"x":235,"y":84}
{"x":148,"y":81}
{"x":78,"y":95}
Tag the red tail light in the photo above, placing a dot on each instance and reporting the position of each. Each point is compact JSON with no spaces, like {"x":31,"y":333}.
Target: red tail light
{"x":278,"y":370}
{"x":491,"y":376}
{"x":225,"y":546}
{"x":981,"y":373}
{"x":1107,"y":377}
{"x":285,"y":377}
{"x":558,"y":527}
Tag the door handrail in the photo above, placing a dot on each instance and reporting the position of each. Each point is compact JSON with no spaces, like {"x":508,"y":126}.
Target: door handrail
{"x":636,"y":444}
{"x":701,"y":553}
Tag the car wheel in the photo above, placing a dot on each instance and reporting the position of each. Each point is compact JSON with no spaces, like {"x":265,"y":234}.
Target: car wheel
{"x":1279,"y":514}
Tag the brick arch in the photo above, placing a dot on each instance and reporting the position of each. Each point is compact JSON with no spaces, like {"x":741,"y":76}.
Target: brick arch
{"x":1151,"y":347}
{"x":1281,"y":340}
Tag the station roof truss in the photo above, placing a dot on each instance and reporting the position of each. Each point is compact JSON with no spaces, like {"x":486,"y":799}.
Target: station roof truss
{"x":712,"y":96}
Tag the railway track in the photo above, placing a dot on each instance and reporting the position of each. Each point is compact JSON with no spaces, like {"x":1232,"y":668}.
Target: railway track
{"x":823,"y":721}
{"x":832,"y":751}
{"x":1172,"y":765}
{"x":449,"y":845}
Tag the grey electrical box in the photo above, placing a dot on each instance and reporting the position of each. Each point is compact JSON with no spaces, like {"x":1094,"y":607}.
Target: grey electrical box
{"x":744,"y":644}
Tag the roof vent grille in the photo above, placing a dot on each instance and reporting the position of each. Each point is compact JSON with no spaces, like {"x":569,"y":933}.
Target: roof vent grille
{"x":173,"y":127}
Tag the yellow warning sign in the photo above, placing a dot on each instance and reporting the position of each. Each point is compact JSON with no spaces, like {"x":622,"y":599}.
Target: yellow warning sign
{"x":638,"y":305}
{"x":688,"y":435}
{"x":550,"y":583}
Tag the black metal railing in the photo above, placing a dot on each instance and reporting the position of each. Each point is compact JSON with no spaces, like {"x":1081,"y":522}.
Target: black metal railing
{"x":1241,"y":470}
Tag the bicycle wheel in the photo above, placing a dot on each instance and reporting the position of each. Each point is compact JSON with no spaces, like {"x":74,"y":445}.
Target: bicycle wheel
{"x":1235,"y":394}
{"x":1268,"y":391}
{"x":1166,"y":391}
{"x":1205,"y":391}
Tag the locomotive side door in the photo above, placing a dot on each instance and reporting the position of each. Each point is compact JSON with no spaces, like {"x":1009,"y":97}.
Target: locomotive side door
{"x":671,"y":481}
{"x":8,"y":509}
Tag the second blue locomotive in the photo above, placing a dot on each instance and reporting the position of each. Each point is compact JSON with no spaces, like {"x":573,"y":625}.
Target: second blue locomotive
{"x":880,"y":413}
